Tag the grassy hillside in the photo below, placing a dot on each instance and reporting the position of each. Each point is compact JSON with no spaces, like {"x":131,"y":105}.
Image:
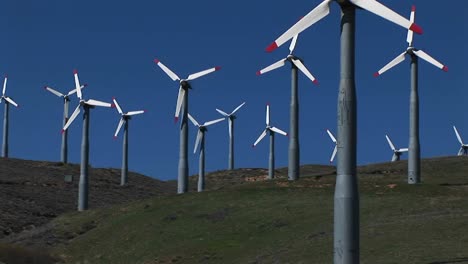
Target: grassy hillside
{"x":280,"y":221}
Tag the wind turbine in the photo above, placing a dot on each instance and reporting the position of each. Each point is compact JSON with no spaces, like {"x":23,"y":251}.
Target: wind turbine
{"x":464,"y":147}
{"x":231,"y":117}
{"x":87,"y":105}
{"x":271,"y":130}
{"x":396,"y":152}
{"x":346,"y":212}
{"x":66,"y":101}
{"x":124,"y":119}
{"x":336,"y":147}
{"x":414,"y":153}
{"x":182,"y":102}
{"x":201,"y":141}
{"x":6,"y":118}
{"x":296,"y":63}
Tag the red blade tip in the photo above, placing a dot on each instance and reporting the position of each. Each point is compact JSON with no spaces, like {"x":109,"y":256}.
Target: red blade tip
{"x":156,"y":61}
{"x":115,"y":137}
{"x":253,"y":146}
{"x":259,"y":73}
{"x":217,"y":68}
{"x":413,"y":8}
{"x":45,"y":87}
{"x":416,"y":29}
{"x":315,"y":81}
{"x":272,"y":47}
{"x":268,"y":103}
{"x":63,"y":131}
{"x":445,"y":68}
{"x":84,"y":85}
{"x":376,"y":74}
{"x":112,"y":105}
{"x":176,"y":119}
{"x":6,"y":75}
{"x":113,"y":97}
{"x":144,"y":111}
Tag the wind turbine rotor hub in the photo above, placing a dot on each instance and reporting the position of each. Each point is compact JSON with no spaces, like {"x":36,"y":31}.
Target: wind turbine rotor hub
{"x":185,"y":84}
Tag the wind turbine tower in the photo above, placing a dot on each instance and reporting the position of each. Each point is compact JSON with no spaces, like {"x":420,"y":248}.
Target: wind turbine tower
{"x":6,"y":117}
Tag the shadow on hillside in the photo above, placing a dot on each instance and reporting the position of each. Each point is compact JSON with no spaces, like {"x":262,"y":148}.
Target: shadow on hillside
{"x":453,"y":184}
{"x":457,"y":260}
{"x":11,"y":254}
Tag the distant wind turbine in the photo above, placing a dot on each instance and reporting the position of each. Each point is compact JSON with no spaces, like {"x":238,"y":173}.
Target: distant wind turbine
{"x":271,"y":130}
{"x":87,"y":105}
{"x":396,"y":152}
{"x":464,"y":147}
{"x":414,"y":153}
{"x":336,"y":146}
{"x":201,"y":141}
{"x":124,"y":119}
{"x":296,"y":63}
{"x":231,"y":117}
{"x":6,"y":119}
{"x":66,"y":101}
{"x":182,"y":102}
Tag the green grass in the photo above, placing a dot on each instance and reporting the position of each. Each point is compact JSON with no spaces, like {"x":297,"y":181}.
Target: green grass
{"x":283,"y":222}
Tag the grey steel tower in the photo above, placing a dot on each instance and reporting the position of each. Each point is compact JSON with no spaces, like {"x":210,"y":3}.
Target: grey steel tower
{"x":346,"y":206}
{"x":396,"y":152}
{"x":87,"y":106}
{"x":414,"y":153}
{"x":6,"y":117}
{"x":271,"y":131}
{"x":201,"y":141}
{"x":124,"y":119}
{"x":182,"y":103}
{"x":296,"y":63}
{"x":66,"y":102}
{"x":231,"y":117}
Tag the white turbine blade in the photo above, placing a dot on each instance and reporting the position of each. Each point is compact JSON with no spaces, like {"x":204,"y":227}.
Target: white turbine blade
{"x":403,"y":150}
{"x":72,"y":117}
{"x":279,"y":131}
{"x":170,"y":73}
{"x":132,"y":113}
{"x":273,"y":66}
{"x":180,"y":99}
{"x":391,"y":64}
{"x":333,"y":154}
{"x":97,"y":103}
{"x":237,"y":108}
{"x":202,"y":73}
{"x":385,"y":12}
{"x":293,"y":44}
{"x":212,"y":122}
{"x":222,"y":112}
{"x":197,"y":141}
{"x":304,"y":70}
{"x":409,"y":37}
{"x":260,"y":137}
{"x":331,"y":136}
{"x":59,"y":94}
{"x":74,"y":90}
{"x":118,"y":127}
{"x":230,"y":128}
{"x":193,"y":120}
{"x":458,"y":135}
{"x":4,"y":85}
{"x":117,"y":106}
{"x":267,"y":115}
{"x":9,"y":100}
{"x":77,"y":85}
{"x":308,"y":20}
{"x":423,"y":55}
{"x":390,"y":143}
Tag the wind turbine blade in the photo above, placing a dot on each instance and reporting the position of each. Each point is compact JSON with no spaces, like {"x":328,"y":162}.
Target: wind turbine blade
{"x":403,"y":150}
{"x":197,"y":141}
{"x":333,"y":154}
{"x":293,"y":44}
{"x":97,"y":103}
{"x":273,"y":66}
{"x":9,"y":100}
{"x":230,"y":128}
{"x":222,"y":112}
{"x":117,"y":106}
{"x":59,"y":94}
{"x":279,"y":131}
{"x":308,"y":20}
{"x":193,"y":120}
{"x":4,"y":85}
{"x":385,"y":12}
{"x":132,"y":113}
{"x":170,"y":73}
{"x":267,"y":115}
{"x":72,"y":117}
{"x":212,"y":122}
{"x":458,"y":135}
{"x":202,"y":73}
{"x":118,"y":127}
{"x":331,"y":136}
{"x":260,"y":137}
{"x":409,"y":37}
{"x":237,"y":108}
{"x":180,"y":99}
{"x":74,"y":90}
{"x":390,"y":143}
{"x":77,"y":85}
{"x":391,"y":64}
{"x":304,"y":70}
{"x":461,"y":151}
{"x":423,"y":55}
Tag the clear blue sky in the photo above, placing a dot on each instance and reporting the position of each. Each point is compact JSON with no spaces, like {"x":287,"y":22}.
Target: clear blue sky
{"x":113,"y":44}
